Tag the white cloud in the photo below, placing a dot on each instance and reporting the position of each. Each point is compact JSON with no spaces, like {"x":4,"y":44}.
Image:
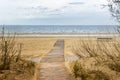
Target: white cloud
{"x":28,"y":9}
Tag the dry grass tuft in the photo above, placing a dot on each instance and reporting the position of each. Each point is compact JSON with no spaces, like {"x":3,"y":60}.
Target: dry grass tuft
{"x":106,"y":54}
{"x":81,"y":72}
{"x":12,"y":66}
{"x":8,"y":51}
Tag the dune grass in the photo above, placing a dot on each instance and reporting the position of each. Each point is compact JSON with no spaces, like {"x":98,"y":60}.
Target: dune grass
{"x":81,"y":72}
{"x":12,"y":66}
{"x":99,"y":59}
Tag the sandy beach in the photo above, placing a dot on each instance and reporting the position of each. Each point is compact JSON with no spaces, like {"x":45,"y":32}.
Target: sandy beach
{"x":35,"y":46}
{"x":59,"y":40}
{"x":40,"y":47}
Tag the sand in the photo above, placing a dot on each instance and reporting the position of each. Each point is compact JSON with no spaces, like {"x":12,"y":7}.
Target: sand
{"x":35,"y":46}
{"x":39,"y":46}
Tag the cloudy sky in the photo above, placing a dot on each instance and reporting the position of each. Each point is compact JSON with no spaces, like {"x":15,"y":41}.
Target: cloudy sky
{"x":55,"y":12}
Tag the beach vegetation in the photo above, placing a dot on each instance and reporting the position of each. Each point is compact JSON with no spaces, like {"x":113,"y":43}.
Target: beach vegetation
{"x":114,"y":8}
{"x":99,"y":58}
{"x":12,"y":65}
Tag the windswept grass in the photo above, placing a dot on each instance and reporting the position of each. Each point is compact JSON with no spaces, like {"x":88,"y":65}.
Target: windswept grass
{"x":8,"y":51}
{"x":81,"y":72}
{"x":12,"y":66}
{"x":99,"y":58}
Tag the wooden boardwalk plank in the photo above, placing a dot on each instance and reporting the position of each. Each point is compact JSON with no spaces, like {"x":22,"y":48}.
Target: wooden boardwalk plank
{"x":52,"y":65}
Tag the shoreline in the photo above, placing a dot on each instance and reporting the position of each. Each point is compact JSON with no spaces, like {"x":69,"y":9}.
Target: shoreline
{"x":60,"y":34}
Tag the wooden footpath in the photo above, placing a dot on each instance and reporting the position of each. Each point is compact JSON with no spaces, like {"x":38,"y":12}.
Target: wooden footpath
{"x":52,"y":66}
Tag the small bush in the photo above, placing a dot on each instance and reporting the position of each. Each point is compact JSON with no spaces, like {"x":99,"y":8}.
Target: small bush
{"x":115,"y":67}
{"x":80,"y":71}
{"x":99,"y":75}
{"x":11,"y":63}
{"x":8,"y":51}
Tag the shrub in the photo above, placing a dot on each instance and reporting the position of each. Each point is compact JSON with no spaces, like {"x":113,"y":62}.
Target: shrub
{"x":99,"y":75}
{"x":79,"y":71}
{"x":8,"y":51}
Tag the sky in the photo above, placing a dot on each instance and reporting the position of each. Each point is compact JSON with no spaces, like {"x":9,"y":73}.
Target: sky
{"x":55,"y":12}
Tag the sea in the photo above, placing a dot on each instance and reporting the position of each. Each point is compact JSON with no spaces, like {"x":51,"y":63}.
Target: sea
{"x":60,"y":30}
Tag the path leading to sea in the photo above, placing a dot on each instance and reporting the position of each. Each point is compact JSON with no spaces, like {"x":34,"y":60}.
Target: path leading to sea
{"x":52,"y":65}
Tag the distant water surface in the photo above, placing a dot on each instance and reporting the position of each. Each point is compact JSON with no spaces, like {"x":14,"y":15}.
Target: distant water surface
{"x":61,"y":30}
